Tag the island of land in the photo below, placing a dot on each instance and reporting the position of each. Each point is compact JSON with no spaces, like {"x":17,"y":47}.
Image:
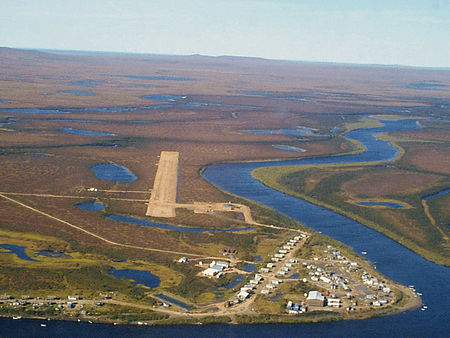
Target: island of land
{"x":105,"y":215}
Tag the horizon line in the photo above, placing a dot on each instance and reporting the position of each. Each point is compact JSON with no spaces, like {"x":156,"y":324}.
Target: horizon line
{"x":84,"y":51}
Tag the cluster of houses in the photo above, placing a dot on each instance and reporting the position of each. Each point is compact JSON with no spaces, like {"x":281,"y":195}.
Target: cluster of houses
{"x":331,"y":278}
{"x":368,"y":280}
{"x":39,"y":302}
{"x":228,"y":251}
{"x":215,"y":269}
{"x":314,"y":299}
{"x":247,"y":289}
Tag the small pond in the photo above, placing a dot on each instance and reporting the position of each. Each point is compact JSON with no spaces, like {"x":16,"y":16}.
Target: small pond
{"x":86,"y":132}
{"x":75,"y":120}
{"x":248,"y":267}
{"x":289,"y":132}
{"x":235,"y":282}
{"x":277,"y":296}
{"x":289,"y":148}
{"x":383,"y":204}
{"x":77,"y":92}
{"x":164,"y":98}
{"x":18,"y":250}
{"x":138,"y":276}
{"x":113,"y":172}
{"x":138,"y":221}
{"x":35,"y":111}
{"x":39,"y":155}
{"x":91,"y":206}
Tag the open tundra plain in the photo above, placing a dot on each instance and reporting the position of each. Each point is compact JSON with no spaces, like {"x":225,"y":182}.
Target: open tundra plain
{"x":102,"y":198}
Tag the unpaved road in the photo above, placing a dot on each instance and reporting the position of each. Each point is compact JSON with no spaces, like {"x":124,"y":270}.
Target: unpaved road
{"x":164,"y":190}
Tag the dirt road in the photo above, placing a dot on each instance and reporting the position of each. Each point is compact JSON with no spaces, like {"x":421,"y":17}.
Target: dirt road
{"x":164,"y":191}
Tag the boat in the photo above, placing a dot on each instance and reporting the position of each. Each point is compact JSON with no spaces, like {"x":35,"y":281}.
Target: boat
{"x":364,"y":252}
{"x":43,"y":325}
{"x":17,"y":317}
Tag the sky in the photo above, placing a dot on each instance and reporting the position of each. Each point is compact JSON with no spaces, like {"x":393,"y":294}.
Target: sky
{"x":412,"y":32}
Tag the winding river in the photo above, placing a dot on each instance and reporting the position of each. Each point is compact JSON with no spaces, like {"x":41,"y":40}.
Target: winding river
{"x":394,"y":260}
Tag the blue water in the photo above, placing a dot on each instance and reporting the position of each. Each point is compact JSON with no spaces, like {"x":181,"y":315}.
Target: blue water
{"x":249,"y":267}
{"x":138,"y":276}
{"x":440,"y":193}
{"x":18,"y":250}
{"x":294,"y":276}
{"x":235,"y":282}
{"x":138,"y":221}
{"x":77,"y":92}
{"x":258,"y":259}
{"x":4,"y":101}
{"x":289,"y":148}
{"x":85,"y":132}
{"x":289,"y":132}
{"x":92,"y":206}
{"x":84,"y":83}
{"x":249,"y":92}
{"x":385,"y":204}
{"x":35,"y":111}
{"x":49,"y":253}
{"x":174,"y":301}
{"x":75,"y":120}
{"x":113,"y":172}
{"x":292,"y":98}
{"x":164,"y":98}
{"x":183,"y":100}
{"x":277,"y":296}
{"x":39,"y":155}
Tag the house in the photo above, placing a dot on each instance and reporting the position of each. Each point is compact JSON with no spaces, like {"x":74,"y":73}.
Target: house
{"x":264,"y":270}
{"x":270,"y":265}
{"x":279,"y":255}
{"x":216,"y":267}
{"x":210,"y":272}
{"x":325,"y":279}
{"x":315,"y":298}
{"x":334,"y":302}
{"x":223,"y":264}
{"x":183,"y":260}
{"x":265,"y":291}
{"x":283,"y":251}
{"x":242,"y":295}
